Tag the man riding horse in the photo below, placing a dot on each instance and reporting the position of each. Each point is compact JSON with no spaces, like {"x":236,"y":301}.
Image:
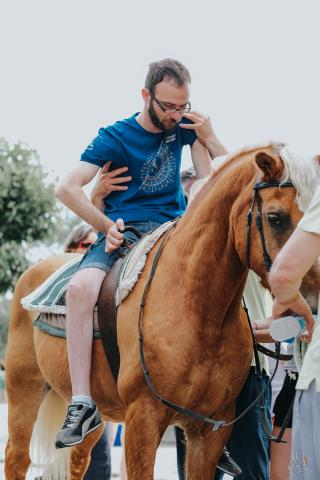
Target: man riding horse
{"x":148,"y":146}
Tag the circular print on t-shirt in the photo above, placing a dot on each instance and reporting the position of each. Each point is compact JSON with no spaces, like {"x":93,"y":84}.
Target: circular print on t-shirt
{"x":159,"y":169}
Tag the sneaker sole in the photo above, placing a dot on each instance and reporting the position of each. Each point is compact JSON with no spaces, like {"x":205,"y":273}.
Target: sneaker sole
{"x":224,"y":470}
{"x":285,"y":328}
{"x":65,"y":445}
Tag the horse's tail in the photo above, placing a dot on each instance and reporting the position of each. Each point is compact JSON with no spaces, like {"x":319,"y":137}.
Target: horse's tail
{"x":44,"y":454}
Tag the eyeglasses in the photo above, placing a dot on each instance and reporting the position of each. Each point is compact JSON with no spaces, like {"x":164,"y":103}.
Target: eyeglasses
{"x":169,"y":108}
{"x":85,"y":244}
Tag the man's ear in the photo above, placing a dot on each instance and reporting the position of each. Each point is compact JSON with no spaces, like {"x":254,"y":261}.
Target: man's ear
{"x":271,"y":167}
{"x":145,"y":94}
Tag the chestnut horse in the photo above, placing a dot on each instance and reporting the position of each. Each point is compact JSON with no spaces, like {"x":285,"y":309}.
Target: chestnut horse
{"x":197,"y":342}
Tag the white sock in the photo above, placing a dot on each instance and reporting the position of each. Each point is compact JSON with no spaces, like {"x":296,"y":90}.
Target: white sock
{"x":84,"y":399}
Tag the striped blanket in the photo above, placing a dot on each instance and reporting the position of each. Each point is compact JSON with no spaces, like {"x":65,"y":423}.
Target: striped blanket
{"x":50,"y":296}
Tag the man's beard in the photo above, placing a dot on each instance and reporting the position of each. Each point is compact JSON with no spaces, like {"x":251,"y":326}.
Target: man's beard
{"x":157,"y":122}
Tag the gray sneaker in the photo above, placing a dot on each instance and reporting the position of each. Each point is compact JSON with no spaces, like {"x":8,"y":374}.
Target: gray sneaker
{"x":79,"y":422}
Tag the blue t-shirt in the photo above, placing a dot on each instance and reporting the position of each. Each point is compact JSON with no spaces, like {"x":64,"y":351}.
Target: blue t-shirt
{"x":153,"y":161}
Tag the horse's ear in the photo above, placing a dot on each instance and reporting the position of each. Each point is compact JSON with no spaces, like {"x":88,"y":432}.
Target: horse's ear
{"x":271,"y":167}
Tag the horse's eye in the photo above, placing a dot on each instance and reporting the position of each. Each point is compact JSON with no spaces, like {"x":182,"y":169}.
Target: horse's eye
{"x":279,"y":221}
{"x":274,"y":219}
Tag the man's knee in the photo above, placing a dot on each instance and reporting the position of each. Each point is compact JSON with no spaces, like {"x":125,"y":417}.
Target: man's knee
{"x":84,"y":287}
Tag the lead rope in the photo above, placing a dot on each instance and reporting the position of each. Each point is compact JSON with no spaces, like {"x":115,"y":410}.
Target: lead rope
{"x":262,"y":407}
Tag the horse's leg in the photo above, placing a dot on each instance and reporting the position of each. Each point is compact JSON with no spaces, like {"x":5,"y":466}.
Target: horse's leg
{"x":25,"y":387}
{"x":204,"y":452}
{"x":145,"y":425}
{"x":81,"y":454}
{"x":25,"y":391}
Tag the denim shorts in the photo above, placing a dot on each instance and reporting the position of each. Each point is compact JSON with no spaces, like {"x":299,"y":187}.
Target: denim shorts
{"x":96,"y":257}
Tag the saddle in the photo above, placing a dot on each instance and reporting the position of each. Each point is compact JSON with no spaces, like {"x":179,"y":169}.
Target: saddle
{"x":49,"y":298}
{"x":117,"y":285}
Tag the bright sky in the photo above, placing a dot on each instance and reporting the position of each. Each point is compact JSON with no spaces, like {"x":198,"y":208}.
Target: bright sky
{"x":69,"y":67}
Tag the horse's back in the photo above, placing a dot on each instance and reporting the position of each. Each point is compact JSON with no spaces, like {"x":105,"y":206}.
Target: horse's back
{"x":39,"y":272}
{"x":29,"y":281}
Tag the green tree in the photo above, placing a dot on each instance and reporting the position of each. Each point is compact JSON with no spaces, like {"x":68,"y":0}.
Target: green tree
{"x":4,"y":318}
{"x":28,"y":210}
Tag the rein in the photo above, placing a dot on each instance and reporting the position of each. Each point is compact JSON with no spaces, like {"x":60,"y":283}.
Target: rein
{"x":217,"y":424}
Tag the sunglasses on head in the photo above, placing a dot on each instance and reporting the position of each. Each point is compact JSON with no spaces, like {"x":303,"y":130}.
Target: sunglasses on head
{"x":85,"y":244}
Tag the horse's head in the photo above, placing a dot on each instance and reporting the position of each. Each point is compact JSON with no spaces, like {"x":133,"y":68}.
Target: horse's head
{"x":283,"y":186}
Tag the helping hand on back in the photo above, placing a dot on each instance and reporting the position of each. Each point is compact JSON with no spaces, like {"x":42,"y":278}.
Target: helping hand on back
{"x":106,"y":183}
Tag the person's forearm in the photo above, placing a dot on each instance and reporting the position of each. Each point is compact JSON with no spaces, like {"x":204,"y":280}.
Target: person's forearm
{"x":75,"y":199}
{"x":284,"y":289}
{"x":261,"y":330}
{"x":292,"y":263}
{"x":216,"y":148}
{"x":201,"y":160}
{"x":97,"y":202}
{"x":264,"y":336}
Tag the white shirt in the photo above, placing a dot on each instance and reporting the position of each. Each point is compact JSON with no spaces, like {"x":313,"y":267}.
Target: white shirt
{"x":255,"y":298}
{"x":310,"y":370}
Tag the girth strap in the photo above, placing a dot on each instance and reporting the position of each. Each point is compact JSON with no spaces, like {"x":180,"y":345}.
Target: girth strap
{"x":107,"y":314}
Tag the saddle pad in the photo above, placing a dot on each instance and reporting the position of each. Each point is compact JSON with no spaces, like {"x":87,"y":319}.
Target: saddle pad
{"x":55,"y":324}
{"x":135,"y":261}
{"x":49,"y":297}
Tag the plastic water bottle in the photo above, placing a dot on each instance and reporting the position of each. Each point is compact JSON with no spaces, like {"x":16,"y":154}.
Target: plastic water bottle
{"x":286,"y":329}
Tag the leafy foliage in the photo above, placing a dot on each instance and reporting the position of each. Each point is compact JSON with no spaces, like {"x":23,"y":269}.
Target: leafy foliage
{"x":4,"y":320}
{"x":27,"y":203}
{"x":28,"y":210}
{"x":13,"y":262}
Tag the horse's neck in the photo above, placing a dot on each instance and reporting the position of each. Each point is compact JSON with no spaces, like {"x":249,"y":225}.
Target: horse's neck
{"x":212,"y":272}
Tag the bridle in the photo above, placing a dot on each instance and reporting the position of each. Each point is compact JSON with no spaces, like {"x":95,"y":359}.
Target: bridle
{"x":257,"y":200}
{"x":217,"y":424}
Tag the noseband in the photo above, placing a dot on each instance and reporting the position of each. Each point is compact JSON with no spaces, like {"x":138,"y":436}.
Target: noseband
{"x":259,"y":223}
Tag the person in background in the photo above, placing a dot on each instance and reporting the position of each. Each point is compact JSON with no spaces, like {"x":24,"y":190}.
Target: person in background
{"x":280,"y":452}
{"x":80,"y":239}
{"x":290,"y":266}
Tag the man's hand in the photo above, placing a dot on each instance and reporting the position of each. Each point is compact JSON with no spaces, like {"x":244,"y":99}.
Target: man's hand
{"x":201,"y":125}
{"x":114,"y":238}
{"x":108,"y":182}
{"x":205,"y":134}
{"x":296,"y":305}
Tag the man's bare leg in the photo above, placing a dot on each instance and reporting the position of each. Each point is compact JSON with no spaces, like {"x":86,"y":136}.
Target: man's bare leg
{"x":82,"y":297}
{"x":83,"y":416}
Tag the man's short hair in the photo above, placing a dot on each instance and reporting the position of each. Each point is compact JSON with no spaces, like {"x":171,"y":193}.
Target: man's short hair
{"x":167,"y":69}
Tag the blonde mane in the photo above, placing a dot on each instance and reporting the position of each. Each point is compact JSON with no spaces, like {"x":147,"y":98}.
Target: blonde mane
{"x":304,"y":173}
{"x":302,"y":170}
